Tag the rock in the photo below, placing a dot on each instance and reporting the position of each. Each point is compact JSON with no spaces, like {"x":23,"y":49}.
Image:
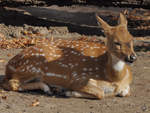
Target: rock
{"x":59,"y":30}
{"x":144,"y":108}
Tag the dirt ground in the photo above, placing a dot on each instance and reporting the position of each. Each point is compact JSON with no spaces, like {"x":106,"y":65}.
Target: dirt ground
{"x":19,"y":22}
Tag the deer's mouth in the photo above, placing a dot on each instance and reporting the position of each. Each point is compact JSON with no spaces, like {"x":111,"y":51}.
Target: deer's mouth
{"x":128,"y":61}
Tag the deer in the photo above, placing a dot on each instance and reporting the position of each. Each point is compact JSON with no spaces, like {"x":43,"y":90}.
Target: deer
{"x":86,"y":69}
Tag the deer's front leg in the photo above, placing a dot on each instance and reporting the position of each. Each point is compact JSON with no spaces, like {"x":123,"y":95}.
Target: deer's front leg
{"x":92,"y":89}
{"x":77,"y":94}
{"x":122,"y":89}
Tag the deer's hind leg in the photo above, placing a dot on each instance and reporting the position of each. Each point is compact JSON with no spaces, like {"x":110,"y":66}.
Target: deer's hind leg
{"x":11,"y":84}
{"x":34,"y":86}
{"x":32,"y":83}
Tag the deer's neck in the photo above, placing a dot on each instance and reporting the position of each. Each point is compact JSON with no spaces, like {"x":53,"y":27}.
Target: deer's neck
{"x":115,"y":68}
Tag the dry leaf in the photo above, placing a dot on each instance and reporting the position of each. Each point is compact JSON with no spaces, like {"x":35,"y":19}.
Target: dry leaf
{"x":146,"y":67}
{"x":2,"y":37}
{"x":9,"y":54}
{"x":25,"y":42}
{"x":25,"y":32}
{"x":1,"y":60}
{"x":4,"y":97}
{"x":35,"y":103}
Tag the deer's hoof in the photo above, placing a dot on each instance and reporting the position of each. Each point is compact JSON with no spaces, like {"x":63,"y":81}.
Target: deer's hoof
{"x":124,"y":92}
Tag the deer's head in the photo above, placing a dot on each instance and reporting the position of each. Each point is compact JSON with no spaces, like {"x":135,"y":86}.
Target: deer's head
{"x":119,"y":40}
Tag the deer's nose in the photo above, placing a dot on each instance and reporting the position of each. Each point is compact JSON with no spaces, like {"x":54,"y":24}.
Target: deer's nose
{"x":132,"y":57}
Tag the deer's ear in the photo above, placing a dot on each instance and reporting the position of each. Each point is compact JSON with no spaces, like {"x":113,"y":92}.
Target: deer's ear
{"x":103,"y":24}
{"x":122,"y":20}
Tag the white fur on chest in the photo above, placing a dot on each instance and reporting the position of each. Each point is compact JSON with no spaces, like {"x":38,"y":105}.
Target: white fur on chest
{"x":119,"y":65}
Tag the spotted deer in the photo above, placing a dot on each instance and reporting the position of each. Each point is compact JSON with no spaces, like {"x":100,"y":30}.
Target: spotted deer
{"x":85,"y":68}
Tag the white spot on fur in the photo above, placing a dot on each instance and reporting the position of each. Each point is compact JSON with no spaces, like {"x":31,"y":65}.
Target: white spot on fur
{"x":37,"y":54}
{"x":74,"y":74}
{"x":97,"y":76}
{"x":119,"y":66}
{"x":55,"y":75}
{"x":46,"y":88}
{"x":27,"y":61}
{"x":97,"y":68}
{"x":83,"y":59}
{"x":76,"y":64}
{"x":83,"y":74}
{"x":90,"y":69}
{"x":42,"y":54}
{"x":41,"y":50}
{"x":23,"y":70}
{"x":92,"y":56}
{"x":77,"y":79}
{"x":83,"y":77}
{"x":85,"y":69}
{"x":32,"y":54}
{"x":90,"y":73}
{"x":20,"y":89}
{"x":34,"y":69}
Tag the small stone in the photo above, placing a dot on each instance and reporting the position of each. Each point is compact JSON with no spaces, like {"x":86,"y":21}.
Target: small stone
{"x":144,"y":108}
{"x":8,"y":107}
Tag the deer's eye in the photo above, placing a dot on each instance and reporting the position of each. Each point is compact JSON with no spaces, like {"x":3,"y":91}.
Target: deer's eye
{"x":117,"y":44}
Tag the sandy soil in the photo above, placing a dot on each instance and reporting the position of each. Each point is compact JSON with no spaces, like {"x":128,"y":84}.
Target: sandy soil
{"x":13,"y":24}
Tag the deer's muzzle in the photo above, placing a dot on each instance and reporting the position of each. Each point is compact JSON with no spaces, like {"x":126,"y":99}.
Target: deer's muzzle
{"x":131,"y":58}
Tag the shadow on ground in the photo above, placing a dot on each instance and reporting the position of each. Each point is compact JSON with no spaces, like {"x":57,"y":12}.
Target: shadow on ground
{"x":79,"y":21}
